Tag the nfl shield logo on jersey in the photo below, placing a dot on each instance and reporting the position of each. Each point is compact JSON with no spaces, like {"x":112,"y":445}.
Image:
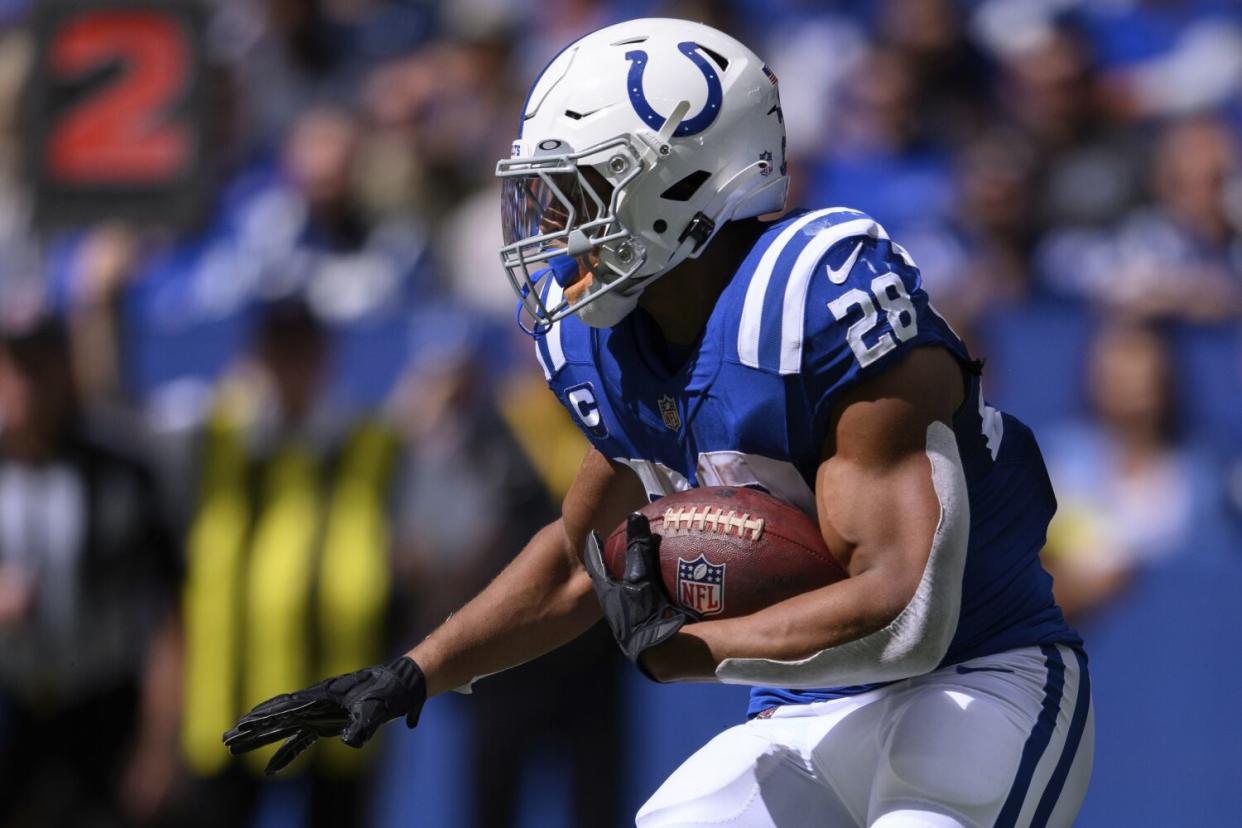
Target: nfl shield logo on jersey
{"x":668,"y":410}
{"x":700,"y":585}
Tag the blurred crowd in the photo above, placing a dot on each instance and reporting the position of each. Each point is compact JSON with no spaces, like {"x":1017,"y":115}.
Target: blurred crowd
{"x":284,"y":442}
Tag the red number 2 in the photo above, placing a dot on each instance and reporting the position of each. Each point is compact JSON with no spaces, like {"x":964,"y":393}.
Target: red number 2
{"x":121,"y":135}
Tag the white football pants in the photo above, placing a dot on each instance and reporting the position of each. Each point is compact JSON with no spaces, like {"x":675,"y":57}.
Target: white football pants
{"x":1005,"y":740}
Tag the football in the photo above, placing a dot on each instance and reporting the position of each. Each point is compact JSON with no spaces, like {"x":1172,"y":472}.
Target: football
{"x":729,"y":551}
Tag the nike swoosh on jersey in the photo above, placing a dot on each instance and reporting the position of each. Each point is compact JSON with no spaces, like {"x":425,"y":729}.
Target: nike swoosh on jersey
{"x":838,"y":275}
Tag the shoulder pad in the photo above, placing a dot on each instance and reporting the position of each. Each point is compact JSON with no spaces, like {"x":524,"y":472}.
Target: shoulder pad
{"x":771,"y":330}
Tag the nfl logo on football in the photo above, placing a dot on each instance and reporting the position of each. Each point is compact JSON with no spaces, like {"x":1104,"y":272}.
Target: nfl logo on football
{"x":700,"y":585}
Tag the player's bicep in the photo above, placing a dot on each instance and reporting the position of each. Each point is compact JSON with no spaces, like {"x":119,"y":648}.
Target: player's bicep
{"x":876,"y":493}
{"x":893,"y":506}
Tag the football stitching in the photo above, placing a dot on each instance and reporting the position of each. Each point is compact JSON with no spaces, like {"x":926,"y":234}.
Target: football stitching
{"x":720,"y":521}
{"x":702,"y":521}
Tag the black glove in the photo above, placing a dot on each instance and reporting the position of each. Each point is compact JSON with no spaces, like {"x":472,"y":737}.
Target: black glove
{"x":352,"y":706}
{"x":637,"y":609}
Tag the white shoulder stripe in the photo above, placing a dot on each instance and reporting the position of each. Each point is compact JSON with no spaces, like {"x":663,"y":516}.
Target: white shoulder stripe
{"x":752,"y":307}
{"x":547,"y":374}
{"x":556,"y":349}
{"x":793,"y":317}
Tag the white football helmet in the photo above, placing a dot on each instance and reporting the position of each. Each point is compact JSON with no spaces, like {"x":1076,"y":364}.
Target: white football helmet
{"x":637,"y":142}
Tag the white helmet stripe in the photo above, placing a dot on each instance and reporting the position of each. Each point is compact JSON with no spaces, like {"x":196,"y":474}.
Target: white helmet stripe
{"x":752,"y":307}
{"x":794,"y":314}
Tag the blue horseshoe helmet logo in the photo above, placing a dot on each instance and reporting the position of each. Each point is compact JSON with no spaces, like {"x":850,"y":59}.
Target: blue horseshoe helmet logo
{"x":653,"y":119}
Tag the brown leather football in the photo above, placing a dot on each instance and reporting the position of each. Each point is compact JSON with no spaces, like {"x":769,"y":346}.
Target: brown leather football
{"x":728,"y":551}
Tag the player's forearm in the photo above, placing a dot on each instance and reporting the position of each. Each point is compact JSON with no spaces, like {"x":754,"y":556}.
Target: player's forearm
{"x":790,"y":630}
{"x":539,"y":602}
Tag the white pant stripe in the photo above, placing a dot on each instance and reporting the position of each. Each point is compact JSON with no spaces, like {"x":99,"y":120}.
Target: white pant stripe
{"x":1056,"y":746}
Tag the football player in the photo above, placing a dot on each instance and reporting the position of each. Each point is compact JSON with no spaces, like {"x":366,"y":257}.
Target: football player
{"x":696,"y":345}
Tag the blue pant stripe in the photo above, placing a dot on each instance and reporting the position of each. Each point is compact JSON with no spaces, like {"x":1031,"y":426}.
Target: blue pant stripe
{"x":1079,"y":723}
{"x":1037,"y":742}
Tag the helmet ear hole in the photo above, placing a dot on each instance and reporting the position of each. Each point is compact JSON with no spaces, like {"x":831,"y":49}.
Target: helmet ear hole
{"x":685,"y":189}
{"x":660,"y":225}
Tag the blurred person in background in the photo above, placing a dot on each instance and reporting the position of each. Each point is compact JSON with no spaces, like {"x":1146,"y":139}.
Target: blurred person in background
{"x":352,"y":262}
{"x":165,"y":311}
{"x":288,"y":570}
{"x":881,"y":158}
{"x":89,"y":644}
{"x":1087,"y":166}
{"x":1161,"y":58}
{"x":950,"y":71}
{"x":1180,"y":256}
{"x":814,"y":48}
{"x":1132,"y":489}
{"x":433,"y":113}
{"x":305,"y":53}
{"x":477,"y":480}
{"x":975,"y":260}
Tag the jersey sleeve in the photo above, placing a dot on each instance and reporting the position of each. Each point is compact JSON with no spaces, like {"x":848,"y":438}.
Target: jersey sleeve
{"x":866,"y":308}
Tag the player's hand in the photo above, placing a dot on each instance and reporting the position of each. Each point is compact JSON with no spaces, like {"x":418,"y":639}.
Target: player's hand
{"x":352,"y":706}
{"x":637,"y":608}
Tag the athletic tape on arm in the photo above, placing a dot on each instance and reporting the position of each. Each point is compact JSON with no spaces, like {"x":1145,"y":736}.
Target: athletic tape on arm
{"x":917,"y":639}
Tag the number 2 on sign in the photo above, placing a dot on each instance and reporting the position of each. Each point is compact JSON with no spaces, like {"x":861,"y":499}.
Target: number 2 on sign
{"x":121,"y":133}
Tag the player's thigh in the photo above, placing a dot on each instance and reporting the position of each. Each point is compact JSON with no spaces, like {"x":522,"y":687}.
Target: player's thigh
{"x":1007,"y":743}
{"x":746,"y":779}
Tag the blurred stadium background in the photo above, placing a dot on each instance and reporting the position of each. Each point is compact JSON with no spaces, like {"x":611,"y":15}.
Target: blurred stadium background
{"x":264,"y":415}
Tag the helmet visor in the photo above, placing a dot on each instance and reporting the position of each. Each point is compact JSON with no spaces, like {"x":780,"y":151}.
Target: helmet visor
{"x":543,"y":206}
{"x":559,"y":220}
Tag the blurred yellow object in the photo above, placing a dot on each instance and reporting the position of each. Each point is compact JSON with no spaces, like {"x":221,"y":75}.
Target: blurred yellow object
{"x":354,"y":573}
{"x":288,"y":581}
{"x":1078,"y":538}
{"x":278,"y":584}
{"x":216,"y":548}
{"x":548,"y":438}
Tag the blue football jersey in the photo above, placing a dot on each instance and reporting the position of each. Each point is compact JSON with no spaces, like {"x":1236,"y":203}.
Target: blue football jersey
{"x":824,"y":300}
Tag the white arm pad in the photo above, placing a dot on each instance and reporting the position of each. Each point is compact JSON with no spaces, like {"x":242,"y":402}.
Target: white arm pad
{"x":917,"y":639}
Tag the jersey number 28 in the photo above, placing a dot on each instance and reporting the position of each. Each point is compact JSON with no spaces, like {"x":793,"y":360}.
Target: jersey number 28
{"x":893,"y":299}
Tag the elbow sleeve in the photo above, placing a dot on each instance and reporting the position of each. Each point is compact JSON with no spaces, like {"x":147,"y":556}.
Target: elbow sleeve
{"x":915,"y":641}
